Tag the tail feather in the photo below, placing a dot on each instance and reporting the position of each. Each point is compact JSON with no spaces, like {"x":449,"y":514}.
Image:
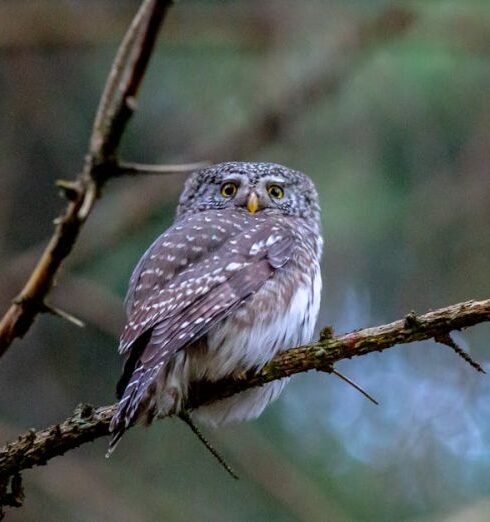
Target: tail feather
{"x":118,"y":425}
{"x":116,"y":437}
{"x":131,"y":405}
{"x":137,"y":388}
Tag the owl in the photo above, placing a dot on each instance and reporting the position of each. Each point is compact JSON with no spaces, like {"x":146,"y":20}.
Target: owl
{"x":232,"y":282}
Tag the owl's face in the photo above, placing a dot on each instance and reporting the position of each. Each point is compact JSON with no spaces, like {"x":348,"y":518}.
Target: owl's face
{"x":252,"y":187}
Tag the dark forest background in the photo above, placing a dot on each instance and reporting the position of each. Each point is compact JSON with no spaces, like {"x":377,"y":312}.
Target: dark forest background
{"x":386,"y":105}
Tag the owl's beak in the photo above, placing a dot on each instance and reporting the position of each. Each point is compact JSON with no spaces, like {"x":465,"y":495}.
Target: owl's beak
{"x":253,"y":203}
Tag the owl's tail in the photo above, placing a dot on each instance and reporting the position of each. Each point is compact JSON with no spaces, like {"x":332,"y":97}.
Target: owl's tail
{"x":120,"y":422}
{"x":136,"y":405}
{"x":115,"y":438}
{"x":119,"y":425}
{"x":123,"y":418}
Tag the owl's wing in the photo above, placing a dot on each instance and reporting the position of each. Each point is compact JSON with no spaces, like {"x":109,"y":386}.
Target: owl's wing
{"x":191,"y":258}
{"x":195,"y":299}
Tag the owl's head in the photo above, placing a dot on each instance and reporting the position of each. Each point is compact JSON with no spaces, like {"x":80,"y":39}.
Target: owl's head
{"x":252,"y":187}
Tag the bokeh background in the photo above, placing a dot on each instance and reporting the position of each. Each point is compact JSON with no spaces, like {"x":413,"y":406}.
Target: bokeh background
{"x":387,"y":106}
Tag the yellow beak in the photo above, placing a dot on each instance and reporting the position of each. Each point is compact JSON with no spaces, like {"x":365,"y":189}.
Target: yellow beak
{"x":253,"y":203}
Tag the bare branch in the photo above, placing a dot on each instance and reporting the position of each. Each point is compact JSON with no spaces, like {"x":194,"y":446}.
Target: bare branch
{"x":118,"y":99}
{"x":115,"y":109}
{"x":324,"y":353}
{"x":356,"y":386}
{"x":88,"y":423}
{"x":138,"y":169}
{"x":445,"y":338}
{"x":64,"y":315}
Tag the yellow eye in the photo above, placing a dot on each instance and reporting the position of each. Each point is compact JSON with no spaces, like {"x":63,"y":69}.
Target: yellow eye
{"x":275,"y":191}
{"x":228,"y":189}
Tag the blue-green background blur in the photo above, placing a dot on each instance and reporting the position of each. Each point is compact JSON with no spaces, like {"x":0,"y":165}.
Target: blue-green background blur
{"x":386,"y":105}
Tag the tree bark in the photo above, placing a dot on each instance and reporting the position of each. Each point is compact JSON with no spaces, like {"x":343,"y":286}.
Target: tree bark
{"x":36,"y":448}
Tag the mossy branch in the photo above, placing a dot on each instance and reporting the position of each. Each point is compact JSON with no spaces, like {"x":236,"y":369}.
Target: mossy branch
{"x":36,"y":448}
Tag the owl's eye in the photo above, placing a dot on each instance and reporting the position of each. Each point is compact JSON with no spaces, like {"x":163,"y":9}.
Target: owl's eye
{"x":228,"y":189}
{"x":275,"y":191}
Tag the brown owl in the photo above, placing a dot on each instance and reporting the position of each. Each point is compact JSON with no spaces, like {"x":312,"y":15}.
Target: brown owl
{"x":233,"y":281}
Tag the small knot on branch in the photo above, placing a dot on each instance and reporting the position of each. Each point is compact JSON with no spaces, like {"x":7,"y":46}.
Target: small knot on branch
{"x":56,"y":431}
{"x":411,"y":320}
{"x":71,"y":190}
{"x":447,"y":340}
{"x":131,"y":103}
{"x":84,"y":411}
{"x":30,"y":436}
{"x":326,"y":333}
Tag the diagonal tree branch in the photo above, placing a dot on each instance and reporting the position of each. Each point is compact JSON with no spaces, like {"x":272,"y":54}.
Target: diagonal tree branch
{"x":36,"y":448}
{"x":115,"y":109}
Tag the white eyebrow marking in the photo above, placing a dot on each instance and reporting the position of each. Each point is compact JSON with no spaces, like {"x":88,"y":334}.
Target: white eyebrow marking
{"x":235,"y":176}
{"x":275,"y":179}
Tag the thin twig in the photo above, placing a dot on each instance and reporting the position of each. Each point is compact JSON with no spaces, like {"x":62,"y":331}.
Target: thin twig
{"x":446,"y":339}
{"x":139,"y":169}
{"x":64,"y":315}
{"x":184,"y":415}
{"x":355,"y":386}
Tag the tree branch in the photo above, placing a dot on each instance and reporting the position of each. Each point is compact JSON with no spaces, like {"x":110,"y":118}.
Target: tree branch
{"x":115,"y":109}
{"x":138,"y":169}
{"x":36,"y":448}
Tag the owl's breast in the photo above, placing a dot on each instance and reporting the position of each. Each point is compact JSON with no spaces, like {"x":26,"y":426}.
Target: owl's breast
{"x":281,"y":315}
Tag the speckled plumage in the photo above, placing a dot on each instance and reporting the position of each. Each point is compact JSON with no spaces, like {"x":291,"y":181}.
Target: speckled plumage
{"x":221,"y":291}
